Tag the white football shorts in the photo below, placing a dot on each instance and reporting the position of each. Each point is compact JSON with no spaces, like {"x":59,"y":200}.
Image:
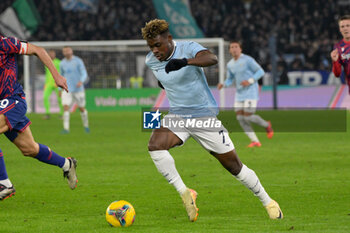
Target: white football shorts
{"x":248,"y":105}
{"x":74,"y":97}
{"x":207,"y":131}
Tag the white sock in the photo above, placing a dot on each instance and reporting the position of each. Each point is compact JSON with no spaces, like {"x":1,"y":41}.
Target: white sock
{"x":84,"y":118}
{"x":166,"y":166}
{"x":247,"y":128}
{"x":249,"y":179}
{"x":6,"y":182}
{"x":66,"y":165}
{"x":66,"y":116}
{"x":257,"y":120}
{"x":252,"y":136}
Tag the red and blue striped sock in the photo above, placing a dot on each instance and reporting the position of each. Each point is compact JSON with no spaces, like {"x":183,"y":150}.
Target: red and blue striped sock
{"x":50,"y":157}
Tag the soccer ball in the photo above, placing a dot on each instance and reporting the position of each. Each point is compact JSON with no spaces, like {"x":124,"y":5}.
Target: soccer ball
{"x":120,"y":214}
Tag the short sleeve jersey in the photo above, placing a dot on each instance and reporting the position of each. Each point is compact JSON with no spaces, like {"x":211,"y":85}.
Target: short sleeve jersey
{"x":187,"y":88}
{"x":74,"y":71}
{"x":242,"y":69}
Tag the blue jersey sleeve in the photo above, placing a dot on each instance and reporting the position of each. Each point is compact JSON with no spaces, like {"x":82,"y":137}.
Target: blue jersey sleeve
{"x":256,"y":69}
{"x":61,"y":69}
{"x":82,"y":70}
{"x":229,"y":78}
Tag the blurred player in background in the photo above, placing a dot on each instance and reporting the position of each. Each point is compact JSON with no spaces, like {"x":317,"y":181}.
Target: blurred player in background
{"x":244,"y":72}
{"x":51,"y":86}
{"x":73,"y":68}
{"x":341,"y":53}
{"x":178,"y":67}
{"x":13,"y":107}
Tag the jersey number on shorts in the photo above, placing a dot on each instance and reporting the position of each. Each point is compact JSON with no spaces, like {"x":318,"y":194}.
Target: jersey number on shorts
{"x":4,"y":103}
{"x":223,"y":136}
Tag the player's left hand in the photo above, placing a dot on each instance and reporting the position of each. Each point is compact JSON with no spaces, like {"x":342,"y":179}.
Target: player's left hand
{"x":61,"y":82}
{"x":79,"y":84}
{"x":335,"y":55}
{"x":245,"y":83}
{"x":175,"y":64}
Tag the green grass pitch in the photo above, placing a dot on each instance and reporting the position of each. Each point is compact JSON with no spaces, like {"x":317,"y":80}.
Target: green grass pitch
{"x":307,"y":173}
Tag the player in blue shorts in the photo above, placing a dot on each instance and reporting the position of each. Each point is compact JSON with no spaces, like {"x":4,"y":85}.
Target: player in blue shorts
{"x":13,"y":121}
{"x":178,"y":67}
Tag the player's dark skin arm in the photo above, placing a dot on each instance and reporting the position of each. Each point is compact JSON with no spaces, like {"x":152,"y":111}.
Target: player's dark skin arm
{"x":203,"y":59}
{"x":163,"y":139}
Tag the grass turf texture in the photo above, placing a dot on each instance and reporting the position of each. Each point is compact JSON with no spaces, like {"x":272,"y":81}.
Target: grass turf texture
{"x":307,"y":173}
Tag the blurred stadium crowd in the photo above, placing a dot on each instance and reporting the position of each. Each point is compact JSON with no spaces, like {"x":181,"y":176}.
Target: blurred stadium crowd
{"x":305,"y":30}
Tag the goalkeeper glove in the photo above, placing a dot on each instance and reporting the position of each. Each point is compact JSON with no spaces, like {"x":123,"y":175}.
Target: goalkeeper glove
{"x":175,"y":64}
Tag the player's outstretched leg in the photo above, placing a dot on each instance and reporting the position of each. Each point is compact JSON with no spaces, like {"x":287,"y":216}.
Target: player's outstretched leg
{"x":256,"y":119}
{"x":248,"y":130}
{"x":68,"y":165}
{"x":26,"y":144}
{"x":6,"y":188}
{"x":85,"y":120}
{"x":66,"y":118}
{"x":166,"y":166}
{"x":160,"y":142}
{"x":249,"y":179}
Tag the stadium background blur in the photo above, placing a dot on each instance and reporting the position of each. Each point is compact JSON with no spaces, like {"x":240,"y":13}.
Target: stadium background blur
{"x":305,"y":166}
{"x":305,"y":30}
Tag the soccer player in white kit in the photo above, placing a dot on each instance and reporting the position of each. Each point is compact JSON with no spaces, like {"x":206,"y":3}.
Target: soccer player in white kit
{"x":73,"y":68}
{"x":244,"y":72}
{"x":177,"y":65}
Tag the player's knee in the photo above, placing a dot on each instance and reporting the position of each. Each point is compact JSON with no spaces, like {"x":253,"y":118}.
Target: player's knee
{"x":29,"y":151}
{"x":236,"y":169}
{"x":153,"y":146}
{"x":231,"y":162}
{"x":233,"y":167}
{"x":239,"y":117}
{"x":248,"y":118}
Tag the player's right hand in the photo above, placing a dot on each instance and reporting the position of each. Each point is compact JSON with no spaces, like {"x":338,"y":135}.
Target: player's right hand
{"x":220,"y":85}
{"x":61,"y":82}
{"x":79,"y":84}
{"x":175,"y":64}
{"x":335,"y":55}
